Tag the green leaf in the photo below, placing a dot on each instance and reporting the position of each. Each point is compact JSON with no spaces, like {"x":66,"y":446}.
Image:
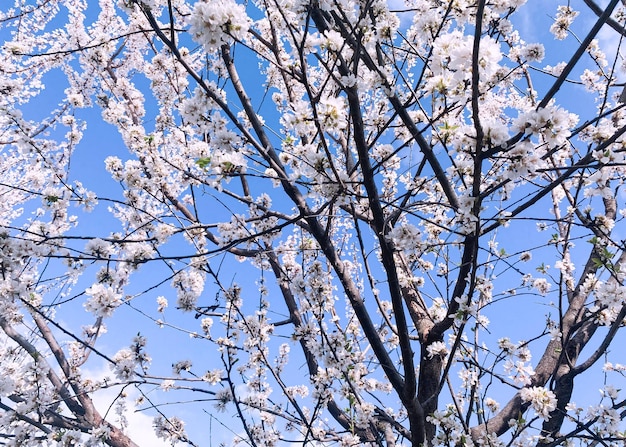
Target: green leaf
{"x":597,"y":262}
{"x":228,"y":167}
{"x":203,"y":162}
{"x":606,"y":254}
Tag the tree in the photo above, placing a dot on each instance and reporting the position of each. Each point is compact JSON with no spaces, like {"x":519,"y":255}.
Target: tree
{"x":379,"y":226}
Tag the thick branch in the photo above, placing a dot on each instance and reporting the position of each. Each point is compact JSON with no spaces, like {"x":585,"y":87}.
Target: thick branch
{"x":317,"y":231}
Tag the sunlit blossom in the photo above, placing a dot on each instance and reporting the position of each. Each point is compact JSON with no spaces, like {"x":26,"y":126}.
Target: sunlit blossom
{"x":542,"y":400}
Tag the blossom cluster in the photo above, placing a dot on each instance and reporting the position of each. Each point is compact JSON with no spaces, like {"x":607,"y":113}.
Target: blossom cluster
{"x":218,"y":22}
{"x":542,"y":400}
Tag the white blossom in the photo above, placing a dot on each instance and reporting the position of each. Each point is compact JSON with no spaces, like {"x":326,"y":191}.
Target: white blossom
{"x":218,"y":22}
{"x":541,"y":285}
{"x":104,"y":300}
{"x":437,"y":348}
{"x":542,"y":400}
{"x":564,"y":18}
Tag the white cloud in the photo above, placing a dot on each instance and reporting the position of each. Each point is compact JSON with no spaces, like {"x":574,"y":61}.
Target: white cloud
{"x":611,"y":42}
{"x":139,"y":424}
